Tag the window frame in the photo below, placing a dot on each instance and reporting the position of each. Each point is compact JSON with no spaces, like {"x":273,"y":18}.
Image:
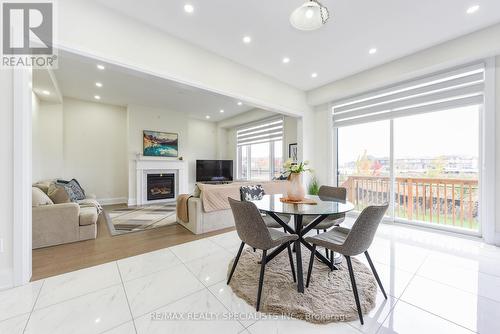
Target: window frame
{"x":272,"y":152}
{"x":272,"y":157}
{"x":486,"y":177}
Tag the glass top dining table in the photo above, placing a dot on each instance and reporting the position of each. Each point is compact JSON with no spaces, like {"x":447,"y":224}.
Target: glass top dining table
{"x":321,"y":208}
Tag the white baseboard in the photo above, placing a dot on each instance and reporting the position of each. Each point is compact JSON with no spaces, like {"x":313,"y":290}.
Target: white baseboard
{"x":131,"y":202}
{"x":110,"y":201}
{"x":6,"y":279}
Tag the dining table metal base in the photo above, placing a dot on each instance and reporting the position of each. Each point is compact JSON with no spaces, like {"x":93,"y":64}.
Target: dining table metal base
{"x":300,"y":231}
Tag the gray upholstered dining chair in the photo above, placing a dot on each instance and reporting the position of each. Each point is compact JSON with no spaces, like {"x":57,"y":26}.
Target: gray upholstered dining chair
{"x":256,"y":192}
{"x":351,"y":242}
{"x":332,"y":220}
{"x":253,"y":231}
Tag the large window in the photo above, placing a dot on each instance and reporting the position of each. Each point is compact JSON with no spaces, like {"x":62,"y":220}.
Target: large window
{"x":437,"y":171}
{"x":363,"y":163}
{"x":260,"y":150}
{"x":416,"y":146}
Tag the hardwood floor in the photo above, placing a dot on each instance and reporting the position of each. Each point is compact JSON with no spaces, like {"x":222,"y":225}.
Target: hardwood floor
{"x":60,"y":259}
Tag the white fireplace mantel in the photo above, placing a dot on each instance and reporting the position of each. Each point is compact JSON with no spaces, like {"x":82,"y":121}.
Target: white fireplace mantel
{"x":149,"y":165}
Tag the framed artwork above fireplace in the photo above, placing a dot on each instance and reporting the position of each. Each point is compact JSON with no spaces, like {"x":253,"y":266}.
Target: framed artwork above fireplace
{"x":160,"y":144}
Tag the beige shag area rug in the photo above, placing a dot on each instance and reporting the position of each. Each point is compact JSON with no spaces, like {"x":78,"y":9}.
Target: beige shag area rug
{"x":329,"y":297}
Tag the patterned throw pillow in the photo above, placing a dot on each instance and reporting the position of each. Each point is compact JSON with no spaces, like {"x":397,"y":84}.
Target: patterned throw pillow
{"x":251,"y":193}
{"x":73,"y":188}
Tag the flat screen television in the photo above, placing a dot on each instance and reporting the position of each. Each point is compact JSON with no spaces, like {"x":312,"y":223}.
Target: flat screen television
{"x":214,"y":170}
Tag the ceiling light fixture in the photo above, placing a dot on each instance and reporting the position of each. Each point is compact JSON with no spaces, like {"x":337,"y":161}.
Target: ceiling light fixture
{"x":97,"y":97}
{"x":314,"y":75}
{"x":100,"y":67}
{"x":286,"y":60}
{"x":372,"y":51}
{"x":240,"y":103}
{"x":45,"y":92}
{"x":207,"y":117}
{"x":472,"y":9}
{"x":98,"y":84}
{"x":188,"y":8}
{"x":247,"y":39}
{"x":221,"y":111}
{"x":311,"y":15}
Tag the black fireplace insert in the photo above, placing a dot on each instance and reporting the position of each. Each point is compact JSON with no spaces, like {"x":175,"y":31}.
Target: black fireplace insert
{"x":160,"y":186}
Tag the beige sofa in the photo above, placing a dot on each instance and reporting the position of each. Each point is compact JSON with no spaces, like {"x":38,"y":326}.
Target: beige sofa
{"x":209,"y":210}
{"x":55,"y":224}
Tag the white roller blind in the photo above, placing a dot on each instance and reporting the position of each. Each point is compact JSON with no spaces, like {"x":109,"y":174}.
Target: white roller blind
{"x":261,"y":132}
{"x":457,"y":88}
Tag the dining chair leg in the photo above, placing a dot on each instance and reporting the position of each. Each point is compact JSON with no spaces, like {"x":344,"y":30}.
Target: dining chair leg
{"x":261,"y":278}
{"x":332,"y":261}
{"x":254,"y":249}
{"x":236,"y":261}
{"x":327,"y":253}
{"x":354,"y":288}
{"x":291,"y":262}
{"x":375,"y":274}
{"x":311,"y":261}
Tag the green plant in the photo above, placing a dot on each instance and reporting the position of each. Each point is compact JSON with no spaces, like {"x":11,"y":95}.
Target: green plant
{"x":313,"y":188}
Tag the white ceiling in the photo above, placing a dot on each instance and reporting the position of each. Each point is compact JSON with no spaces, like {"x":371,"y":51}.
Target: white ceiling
{"x":77,"y":76}
{"x":395,"y":27}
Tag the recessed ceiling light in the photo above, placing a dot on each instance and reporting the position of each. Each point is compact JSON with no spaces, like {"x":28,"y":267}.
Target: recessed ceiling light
{"x":221,"y":111}
{"x":314,"y":75}
{"x":101,"y":67}
{"x":247,"y":39}
{"x":188,"y":8}
{"x":286,"y":60}
{"x":207,"y":117}
{"x":45,"y":92}
{"x":97,"y":97}
{"x":472,"y":9}
{"x":372,"y":51}
{"x":98,"y":84}
{"x":240,"y":103}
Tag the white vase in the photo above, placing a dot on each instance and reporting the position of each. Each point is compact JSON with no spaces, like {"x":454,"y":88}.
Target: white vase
{"x":295,"y":188}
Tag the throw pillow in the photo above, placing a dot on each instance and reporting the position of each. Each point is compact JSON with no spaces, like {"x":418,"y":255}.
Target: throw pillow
{"x":251,"y":193}
{"x":58,"y":194}
{"x":78,"y":192}
{"x":38,"y":197}
{"x":196,"y":191}
{"x":43,"y":185}
{"x":73,"y":189}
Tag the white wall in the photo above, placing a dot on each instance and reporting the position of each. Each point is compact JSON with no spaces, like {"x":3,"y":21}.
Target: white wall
{"x":97,"y":144}
{"x":82,"y":140}
{"x":95,"y":148}
{"x":6,"y":177}
{"x":47,"y":136}
{"x":201,"y":145}
{"x":469,"y":48}
{"x":289,"y":134}
{"x":474,"y":47}
{"x":227,"y":132}
{"x":250,"y":116}
{"x":149,"y":50}
{"x":322,"y":157}
{"x":497,"y":147}
{"x":197,"y":139}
